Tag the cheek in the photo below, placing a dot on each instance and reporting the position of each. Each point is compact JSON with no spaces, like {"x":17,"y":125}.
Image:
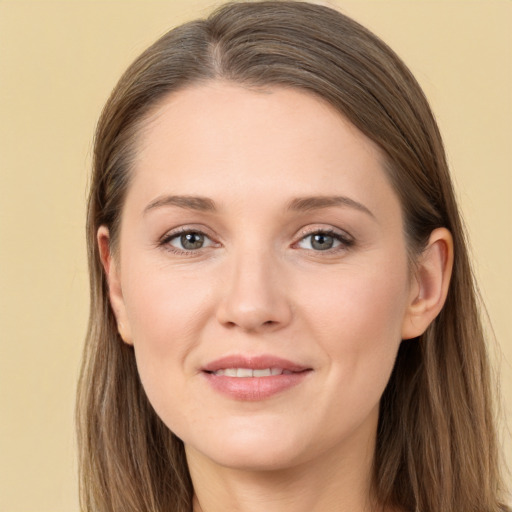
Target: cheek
{"x":166,"y":314}
{"x":362,"y":300}
{"x":165,"y":310}
{"x":358,"y":319}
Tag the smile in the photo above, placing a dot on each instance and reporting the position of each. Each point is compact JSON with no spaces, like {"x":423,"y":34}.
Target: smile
{"x":248,"y":372}
{"x":254,"y":378}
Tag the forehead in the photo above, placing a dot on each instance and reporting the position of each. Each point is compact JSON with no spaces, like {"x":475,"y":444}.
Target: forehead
{"x":232,"y":110}
{"x":220,"y":139}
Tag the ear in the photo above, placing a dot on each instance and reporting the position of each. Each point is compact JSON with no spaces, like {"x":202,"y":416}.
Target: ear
{"x":430,"y":284}
{"x":111,"y":267}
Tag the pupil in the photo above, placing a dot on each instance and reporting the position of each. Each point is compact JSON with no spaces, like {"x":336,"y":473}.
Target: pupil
{"x":322,"y":242}
{"x":192,"y":240}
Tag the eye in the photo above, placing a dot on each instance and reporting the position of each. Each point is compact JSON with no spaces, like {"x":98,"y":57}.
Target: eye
{"x":324,"y":241}
{"x":186,"y":241}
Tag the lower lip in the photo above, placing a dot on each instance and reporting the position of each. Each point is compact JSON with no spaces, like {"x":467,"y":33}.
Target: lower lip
{"x":254,"y":388}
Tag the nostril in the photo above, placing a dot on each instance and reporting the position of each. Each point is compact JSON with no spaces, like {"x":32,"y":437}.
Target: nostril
{"x":252,"y":313}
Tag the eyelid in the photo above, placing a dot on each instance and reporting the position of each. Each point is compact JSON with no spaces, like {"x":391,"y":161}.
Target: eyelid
{"x":330,"y":230}
{"x":342,"y":236}
{"x":185,"y":228}
{"x":164,"y":241}
{"x":346,"y":240}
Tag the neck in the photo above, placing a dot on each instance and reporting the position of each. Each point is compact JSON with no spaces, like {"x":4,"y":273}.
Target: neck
{"x":333,"y":483}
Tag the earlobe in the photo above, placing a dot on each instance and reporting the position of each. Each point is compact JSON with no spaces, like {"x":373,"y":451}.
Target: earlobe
{"x":432,"y":280}
{"x":111,"y":268}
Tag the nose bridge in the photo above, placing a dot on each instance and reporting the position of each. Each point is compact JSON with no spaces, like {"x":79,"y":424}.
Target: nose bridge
{"x":254,"y":297}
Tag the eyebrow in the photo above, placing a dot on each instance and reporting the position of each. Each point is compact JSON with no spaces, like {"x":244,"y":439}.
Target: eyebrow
{"x":202,"y":204}
{"x":318,"y":202}
{"x":299,"y":204}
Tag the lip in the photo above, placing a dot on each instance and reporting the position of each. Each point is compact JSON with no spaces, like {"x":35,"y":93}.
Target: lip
{"x":254,"y":362}
{"x":254,"y":388}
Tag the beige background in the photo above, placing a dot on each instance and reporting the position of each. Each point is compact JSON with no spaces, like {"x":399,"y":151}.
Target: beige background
{"x":58,"y":62}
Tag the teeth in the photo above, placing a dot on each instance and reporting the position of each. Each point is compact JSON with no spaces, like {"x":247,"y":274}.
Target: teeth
{"x":248,"y":372}
{"x":267,"y":372}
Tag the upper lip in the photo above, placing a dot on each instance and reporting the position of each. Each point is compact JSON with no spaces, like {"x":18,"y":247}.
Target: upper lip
{"x":253,"y":362}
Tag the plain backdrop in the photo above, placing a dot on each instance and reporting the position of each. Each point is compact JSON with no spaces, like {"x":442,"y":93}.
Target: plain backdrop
{"x":58,"y":62}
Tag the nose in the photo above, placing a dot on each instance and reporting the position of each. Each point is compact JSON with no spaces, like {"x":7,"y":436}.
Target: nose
{"x":254,"y":298}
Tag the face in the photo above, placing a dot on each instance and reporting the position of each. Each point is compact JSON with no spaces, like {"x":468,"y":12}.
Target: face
{"x":262,"y":276}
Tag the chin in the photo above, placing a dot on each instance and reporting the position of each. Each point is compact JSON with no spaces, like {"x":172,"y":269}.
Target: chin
{"x":254,"y":458}
{"x":251,"y":447}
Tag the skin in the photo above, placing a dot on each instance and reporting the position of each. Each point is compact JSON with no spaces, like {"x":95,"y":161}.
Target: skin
{"x":259,"y":286}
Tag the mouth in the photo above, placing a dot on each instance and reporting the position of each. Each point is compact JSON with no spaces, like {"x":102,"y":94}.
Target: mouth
{"x":253,"y":366}
{"x":254,"y":378}
{"x":250,"y":372}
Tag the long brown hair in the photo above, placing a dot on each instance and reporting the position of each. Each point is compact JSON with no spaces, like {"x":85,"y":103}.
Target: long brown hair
{"x":436,"y":443}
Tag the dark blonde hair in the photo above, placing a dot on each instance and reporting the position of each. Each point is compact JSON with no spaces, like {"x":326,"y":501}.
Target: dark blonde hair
{"x":436,"y":443}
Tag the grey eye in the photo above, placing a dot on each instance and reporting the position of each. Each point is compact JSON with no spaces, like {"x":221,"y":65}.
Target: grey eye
{"x":319,"y":242}
{"x":191,"y":241}
{"x":188,"y":241}
{"x":322,"y":242}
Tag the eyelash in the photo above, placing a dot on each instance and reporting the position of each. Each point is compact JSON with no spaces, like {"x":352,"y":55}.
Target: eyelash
{"x":165,"y":241}
{"x":346,"y":242}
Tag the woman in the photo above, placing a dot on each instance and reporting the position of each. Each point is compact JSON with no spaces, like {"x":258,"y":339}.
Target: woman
{"x":283,"y":315}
